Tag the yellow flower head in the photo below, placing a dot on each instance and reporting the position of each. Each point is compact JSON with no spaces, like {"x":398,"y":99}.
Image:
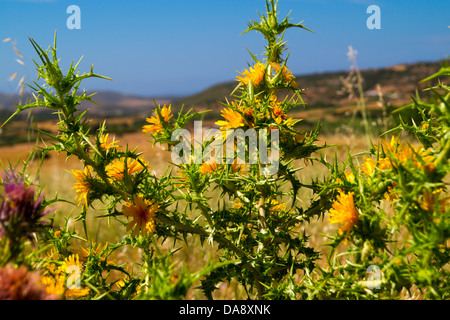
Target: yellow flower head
{"x":350,"y":176}
{"x":209,"y":166}
{"x":166,"y":113}
{"x":143,"y":213}
{"x":404,"y":152}
{"x":233,"y":119}
{"x":120,"y":284}
{"x":156,"y":124}
{"x":286,"y":74}
{"x":253,"y":75}
{"x":72,"y":260}
{"x":150,"y":226}
{"x":105,"y":144}
{"x":96,"y":250}
{"x":118,"y":167}
{"x":82,"y":184}
{"x":278,"y":114}
{"x":57,"y":281}
{"x":248,"y":113}
{"x":237,"y":204}
{"x":368,"y":166}
{"x":275,"y":205}
{"x":54,"y":285}
{"x":344,"y":211}
{"x":390,"y":194}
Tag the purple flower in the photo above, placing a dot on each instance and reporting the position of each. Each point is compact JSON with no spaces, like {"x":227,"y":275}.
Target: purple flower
{"x":21,"y":212}
{"x":21,"y":284}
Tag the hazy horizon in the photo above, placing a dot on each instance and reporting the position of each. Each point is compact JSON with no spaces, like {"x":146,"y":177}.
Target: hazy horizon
{"x":179,"y":96}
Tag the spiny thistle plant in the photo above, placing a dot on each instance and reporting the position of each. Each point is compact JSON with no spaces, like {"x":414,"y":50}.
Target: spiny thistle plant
{"x":243,"y":205}
{"x":394,"y":212}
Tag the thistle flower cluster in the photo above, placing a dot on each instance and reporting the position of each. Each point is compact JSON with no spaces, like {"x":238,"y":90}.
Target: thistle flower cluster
{"x":21,"y":210}
{"x":391,"y":208}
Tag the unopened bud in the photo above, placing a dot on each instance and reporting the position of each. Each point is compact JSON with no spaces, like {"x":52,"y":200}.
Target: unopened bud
{"x":430,"y":167}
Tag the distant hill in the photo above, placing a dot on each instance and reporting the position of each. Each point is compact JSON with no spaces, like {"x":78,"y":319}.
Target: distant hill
{"x":110,"y":105}
{"x":324,"y":91}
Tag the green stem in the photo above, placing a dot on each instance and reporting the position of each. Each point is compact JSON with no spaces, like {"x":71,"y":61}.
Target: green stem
{"x":444,"y":154}
{"x":203,"y":209}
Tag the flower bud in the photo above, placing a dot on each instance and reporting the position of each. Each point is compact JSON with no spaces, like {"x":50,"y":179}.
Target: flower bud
{"x":430,"y":168}
{"x":367,"y":248}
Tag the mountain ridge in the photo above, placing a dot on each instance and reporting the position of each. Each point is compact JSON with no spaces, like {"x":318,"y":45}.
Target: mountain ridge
{"x":323,"y":90}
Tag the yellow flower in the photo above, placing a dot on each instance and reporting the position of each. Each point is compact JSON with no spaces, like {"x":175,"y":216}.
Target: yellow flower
{"x":155,"y":122}
{"x":118,"y":167}
{"x":105,"y":144}
{"x":290,"y":123}
{"x":390,"y":195}
{"x":430,"y":200}
{"x":402,"y":153}
{"x":237,"y":204}
{"x":275,"y":205}
{"x":99,"y":250}
{"x":209,"y":166}
{"x":286,"y":74}
{"x":150,"y":226}
{"x":82,"y":184}
{"x":72,"y":260}
{"x":95,"y":250}
{"x":120,"y":284}
{"x":166,"y":113}
{"x":344,"y":211}
{"x":233,"y":120}
{"x":52,"y":254}
{"x":368,"y":166}
{"x":278,"y":114}
{"x":57,"y":280}
{"x":253,"y":75}
{"x":143,"y":213}
{"x":390,"y":146}
{"x":246,"y":113}
{"x":423,"y":159}
{"x":349,"y":176}
{"x":54,"y":285}
{"x":238,"y":168}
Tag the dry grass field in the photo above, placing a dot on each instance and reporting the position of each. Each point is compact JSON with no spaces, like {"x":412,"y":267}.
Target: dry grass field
{"x":56,"y":179}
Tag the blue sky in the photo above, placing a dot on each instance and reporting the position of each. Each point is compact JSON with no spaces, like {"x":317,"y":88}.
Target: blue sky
{"x":179,"y":47}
